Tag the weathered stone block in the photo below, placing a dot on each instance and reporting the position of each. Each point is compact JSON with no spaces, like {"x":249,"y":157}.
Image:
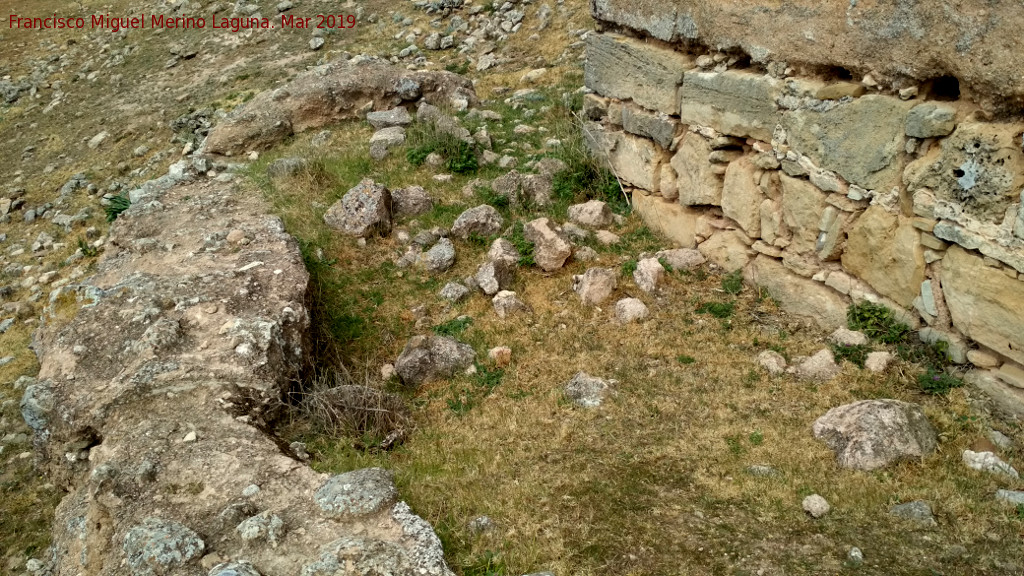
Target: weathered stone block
{"x":628,"y":69}
{"x":979,"y":167}
{"x":696,"y":181}
{"x":727,"y":249}
{"x":802,"y":205}
{"x":658,"y":127}
{"x":732,"y":102}
{"x":677,"y":223}
{"x":661,"y":21}
{"x":800,"y":297}
{"x":884,"y":251}
{"x":741,"y":197}
{"x":985,"y":304}
{"x":931,"y":119}
{"x":859,"y":140}
{"x":634,"y":160}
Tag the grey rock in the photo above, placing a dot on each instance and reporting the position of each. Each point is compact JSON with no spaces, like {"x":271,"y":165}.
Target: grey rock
{"x":732,"y":102}
{"x":845,"y":337}
{"x":363,"y":211}
{"x":988,"y":462}
{"x":264,"y":527}
{"x":357,"y":493}
{"x":816,"y":506}
{"x":624,"y":68}
{"x":36,"y":406}
{"x":504,"y":251}
{"x":681,"y":258}
{"x":440,"y":257}
{"x":918,"y":511}
{"x":595,"y":285}
{"x":821,"y":367}
{"x":316,"y":43}
{"x":592,"y":214}
{"x":586,"y":390}
{"x":763,"y":471}
{"x":872,"y":434}
{"x":630,"y":310}
{"x":771,"y":361}
{"x":428,"y":357}
{"x":286,"y":167}
{"x":648,"y":274}
{"x":158,"y":546}
{"x":397,"y":116}
{"x":1015,"y":497}
{"x":658,"y":127}
{"x":481,"y":525}
{"x":384,"y":140}
{"x":482,"y":220}
{"x":410,"y":201}
{"x":931,"y":119}
{"x":495,"y":275}
{"x":507,"y":303}
{"x":454,"y":292}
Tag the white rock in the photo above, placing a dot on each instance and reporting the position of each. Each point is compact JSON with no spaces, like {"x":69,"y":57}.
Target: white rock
{"x":772,"y":361}
{"x":630,"y":310}
{"x":816,"y":506}
{"x":988,"y":462}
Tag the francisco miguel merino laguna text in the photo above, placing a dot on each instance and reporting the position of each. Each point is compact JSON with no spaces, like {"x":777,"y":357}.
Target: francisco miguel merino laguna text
{"x":159,"y":21}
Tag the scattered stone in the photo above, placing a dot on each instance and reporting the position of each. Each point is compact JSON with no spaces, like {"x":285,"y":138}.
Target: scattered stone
{"x":481,"y":525}
{"x":816,"y":506}
{"x":363,"y":211}
{"x":681,"y":258}
{"x":482,"y":221}
{"x":592,"y":214}
{"x":264,"y":526}
{"x":845,"y":337}
{"x":396,"y":117}
{"x":1015,"y":497}
{"x":316,"y":43}
{"x":585,"y":254}
{"x":918,"y":511}
{"x":285,"y":167}
{"x":384,"y":140}
{"x":872,"y":434}
{"x":234,"y":569}
{"x":587,"y":391}
{"x":877,"y":362}
{"x":410,"y":201}
{"x":595,"y":285}
{"x":772,"y":361}
{"x":607,"y":238}
{"x":821,"y":367}
{"x":550,"y":248}
{"x":988,"y":462}
{"x":648,"y":274}
{"x":630,"y":310}
{"x":503,"y":251}
{"x":428,"y":357}
{"x":454,"y":292}
{"x":855,"y":555}
{"x":357,"y":493}
{"x":763,"y":471}
{"x":507,"y":303}
{"x":501,"y":356}
{"x":440,"y":257}
{"x":495,"y":276}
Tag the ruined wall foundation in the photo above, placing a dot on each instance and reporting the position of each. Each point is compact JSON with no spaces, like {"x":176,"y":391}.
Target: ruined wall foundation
{"x":834,"y":156}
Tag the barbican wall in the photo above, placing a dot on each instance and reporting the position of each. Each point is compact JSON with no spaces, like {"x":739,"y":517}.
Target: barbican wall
{"x":834,"y":154}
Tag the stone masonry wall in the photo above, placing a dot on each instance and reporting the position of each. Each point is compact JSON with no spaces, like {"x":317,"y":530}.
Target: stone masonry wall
{"x":899,"y":186}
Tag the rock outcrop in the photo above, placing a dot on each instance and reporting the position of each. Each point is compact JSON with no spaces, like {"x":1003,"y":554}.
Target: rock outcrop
{"x":153,"y":402}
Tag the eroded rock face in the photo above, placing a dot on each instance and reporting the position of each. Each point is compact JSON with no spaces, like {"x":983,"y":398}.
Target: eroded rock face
{"x":184,"y":347}
{"x":872,"y":434}
{"x":328,"y":94}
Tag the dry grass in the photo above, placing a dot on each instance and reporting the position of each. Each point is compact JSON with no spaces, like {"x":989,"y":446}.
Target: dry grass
{"x":655,"y":481}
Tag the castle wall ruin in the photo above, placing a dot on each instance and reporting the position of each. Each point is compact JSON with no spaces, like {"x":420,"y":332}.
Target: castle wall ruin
{"x":833,"y":153}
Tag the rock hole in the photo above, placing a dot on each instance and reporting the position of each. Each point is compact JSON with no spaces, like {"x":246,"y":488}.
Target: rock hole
{"x":958,"y":173}
{"x":945,"y":88}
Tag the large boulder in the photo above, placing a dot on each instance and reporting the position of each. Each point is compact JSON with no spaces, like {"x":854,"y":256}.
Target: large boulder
{"x":872,"y":434}
{"x":430,"y":357}
{"x":363,"y":211}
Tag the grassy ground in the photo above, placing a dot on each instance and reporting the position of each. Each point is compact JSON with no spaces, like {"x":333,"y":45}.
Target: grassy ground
{"x":656,"y":480}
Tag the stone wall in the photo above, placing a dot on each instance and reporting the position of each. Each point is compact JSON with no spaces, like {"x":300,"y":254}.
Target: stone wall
{"x":828,"y":161}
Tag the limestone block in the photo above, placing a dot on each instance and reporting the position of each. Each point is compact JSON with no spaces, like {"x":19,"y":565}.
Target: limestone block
{"x":677,"y":223}
{"x":741,"y":197}
{"x":802,"y":206}
{"x":979,"y":167}
{"x":884,"y":251}
{"x":773,"y":227}
{"x":859,"y":140}
{"x":985,"y":304}
{"x":629,"y":69}
{"x":800,"y":297}
{"x":634,"y":160}
{"x":732,"y":102}
{"x":727,"y":249}
{"x":697,"y":183}
{"x":658,"y":127}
